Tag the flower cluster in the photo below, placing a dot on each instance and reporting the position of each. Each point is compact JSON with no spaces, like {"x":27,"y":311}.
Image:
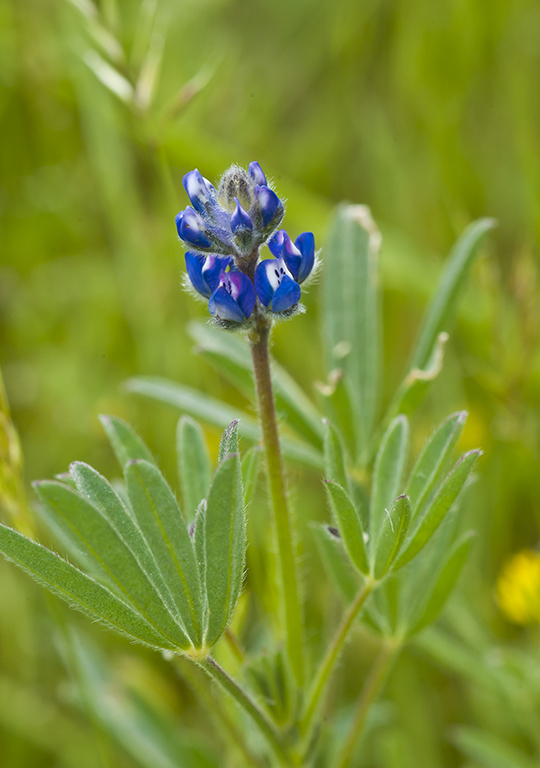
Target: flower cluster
{"x":224,"y":230}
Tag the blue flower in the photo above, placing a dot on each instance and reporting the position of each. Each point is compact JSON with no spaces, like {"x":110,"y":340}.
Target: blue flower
{"x":204,"y":271}
{"x":298,"y":256}
{"x":234,"y":298}
{"x":234,"y":220}
{"x":275,"y":285}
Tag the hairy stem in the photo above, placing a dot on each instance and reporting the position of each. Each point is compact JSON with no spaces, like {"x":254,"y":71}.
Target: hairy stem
{"x":370,"y":691}
{"x":245,"y":701}
{"x":186,"y":670}
{"x":326,"y":668}
{"x":278,"y":493}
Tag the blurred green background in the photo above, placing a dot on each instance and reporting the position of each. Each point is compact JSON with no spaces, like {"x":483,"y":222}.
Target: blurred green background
{"x":428,"y":113}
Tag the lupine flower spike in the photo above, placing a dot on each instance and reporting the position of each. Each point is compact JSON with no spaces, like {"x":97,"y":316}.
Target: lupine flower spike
{"x":224,"y":229}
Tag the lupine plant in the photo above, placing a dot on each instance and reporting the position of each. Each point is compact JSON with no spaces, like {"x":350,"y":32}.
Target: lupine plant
{"x":168,"y":574}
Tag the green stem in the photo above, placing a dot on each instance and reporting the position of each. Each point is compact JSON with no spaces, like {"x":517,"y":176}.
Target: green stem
{"x":370,"y":691}
{"x":212,"y":668}
{"x":278,"y":493}
{"x":186,"y":670}
{"x":332,"y":655}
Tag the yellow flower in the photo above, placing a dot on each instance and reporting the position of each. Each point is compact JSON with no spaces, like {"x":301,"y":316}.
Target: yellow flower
{"x":518,"y":588}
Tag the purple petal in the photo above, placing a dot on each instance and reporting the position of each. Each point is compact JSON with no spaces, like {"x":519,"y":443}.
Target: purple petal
{"x":287,"y":295}
{"x":269,"y":204}
{"x":191,"y":227}
{"x":256,"y":173}
{"x":276,"y":243}
{"x":306,"y":245}
{"x":223,"y":306}
{"x":240,"y":221}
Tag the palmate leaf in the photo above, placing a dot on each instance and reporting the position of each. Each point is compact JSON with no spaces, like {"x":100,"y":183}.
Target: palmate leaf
{"x":394,"y":528}
{"x":351,"y":312}
{"x":91,"y":532}
{"x":220,"y":414}
{"x":432,"y":602}
{"x":125,"y":442}
{"x":251,"y":462}
{"x":439,"y":507}
{"x":160,"y":520}
{"x":432,"y":460}
{"x":350,"y":525}
{"x":442,"y":308}
{"x":79,"y":590}
{"x":334,"y":459}
{"x":102,"y":495}
{"x":193,"y":464}
{"x":224,"y":545}
{"x":387,"y":473}
{"x":337,"y":565}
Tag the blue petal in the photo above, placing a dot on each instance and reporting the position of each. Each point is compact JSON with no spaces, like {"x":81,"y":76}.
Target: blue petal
{"x":190,"y":227}
{"x":276,"y":243}
{"x":194,"y":265}
{"x":223,"y":306}
{"x":240,"y":220}
{"x":199,"y":190}
{"x":286,"y":296}
{"x":211,"y":271}
{"x":244,"y":292}
{"x":264,"y":288}
{"x":306,"y":245}
{"x":269,"y":204}
{"x":256,"y":173}
{"x":292,"y":256}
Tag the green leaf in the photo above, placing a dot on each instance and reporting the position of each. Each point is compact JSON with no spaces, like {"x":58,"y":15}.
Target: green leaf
{"x":412,"y":389}
{"x":160,"y":520}
{"x":432,"y":460}
{"x":338,"y":405}
{"x":251,"y":463}
{"x":392,"y":534}
{"x":125,"y":442}
{"x":387,"y":474}
{"x":439,"y":507}
{"x":79,"y":590}
{"x":335,"y":561}
{"x":102,"y":495}
{"x":334,"y":459}
{"x":349,"y":525}
{"x":193,"y":464}
{"x":229,"y":441}
{"x":225,"y":542}
{"x":446,"y":580}
{"x":220,"y":414}
{"x":230,"y":355}
{"x":351,"y":311}
{"x":441,"y":310}
{"x":490,"y":751}
{"x":91,"y":532}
